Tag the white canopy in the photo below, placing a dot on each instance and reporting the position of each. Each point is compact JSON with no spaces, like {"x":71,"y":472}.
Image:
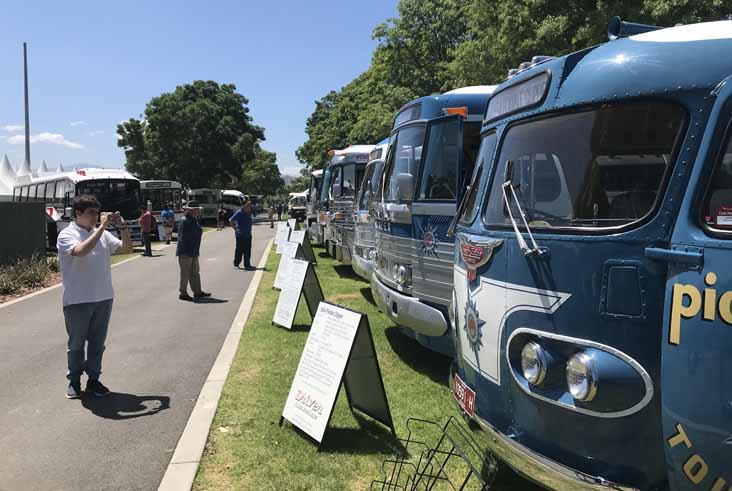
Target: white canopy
{"x":43,"y":167}
{"x":7,"y":176}
{"x":24,"y":169}
{"x":60,"y":168}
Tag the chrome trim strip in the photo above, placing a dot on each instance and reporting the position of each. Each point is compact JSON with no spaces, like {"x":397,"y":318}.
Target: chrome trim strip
{"x":603,"y":347}
{"x":535,"y":466}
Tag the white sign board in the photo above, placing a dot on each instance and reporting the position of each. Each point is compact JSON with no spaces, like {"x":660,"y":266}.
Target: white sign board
{"x":301,"y":237}
{"x":318,"y":377}
{"x":283,"y":272}
{"x":297,"y":236}
{"x":292,"y":223}
{"x":282,"y":235}
{"x":290,"y":294}
{"x":289,"y":249}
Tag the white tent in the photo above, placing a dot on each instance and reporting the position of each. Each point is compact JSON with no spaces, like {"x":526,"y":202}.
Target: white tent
{"x":25,"y":169}
{"x":60,"y":168}
{"x":7,"y":177}
{"x":43,"y":167}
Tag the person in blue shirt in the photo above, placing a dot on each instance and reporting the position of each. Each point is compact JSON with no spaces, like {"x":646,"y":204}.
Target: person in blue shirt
{"x":167,"y":216}
{"x":241,"y":221}
{"x":188,"y":250}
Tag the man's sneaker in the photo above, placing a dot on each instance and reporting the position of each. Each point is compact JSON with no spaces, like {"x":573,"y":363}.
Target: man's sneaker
{"x":74,"y":390}
{"x":97,"y":388}
{"x":202,"y":295}
{"x":185,"y":296}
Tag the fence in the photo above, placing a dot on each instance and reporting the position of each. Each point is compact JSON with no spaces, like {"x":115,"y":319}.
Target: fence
{"x":23,"y":231}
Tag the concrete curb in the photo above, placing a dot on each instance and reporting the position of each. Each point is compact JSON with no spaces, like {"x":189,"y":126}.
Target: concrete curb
{"x":182,"y":468}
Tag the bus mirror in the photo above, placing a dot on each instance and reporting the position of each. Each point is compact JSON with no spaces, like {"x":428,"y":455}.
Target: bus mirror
{"x":336,"y":190}
{"x":405,"y":186}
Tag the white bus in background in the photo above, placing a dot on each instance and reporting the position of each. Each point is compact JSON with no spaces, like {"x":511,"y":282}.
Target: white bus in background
{"x":157,"y":193}
{"x":208,"y":199}
{"x":231,"y":200}
{"x":116,"y":190}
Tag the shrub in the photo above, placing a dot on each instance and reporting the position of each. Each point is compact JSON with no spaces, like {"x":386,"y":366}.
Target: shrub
{"x":26,"y":273}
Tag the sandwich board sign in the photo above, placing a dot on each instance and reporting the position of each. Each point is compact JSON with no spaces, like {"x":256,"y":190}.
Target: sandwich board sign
{"x":281,"y":236}
{"x":290,"y":250}
{"x":292,"y":223}
{"x":302,"y":238}
{"x":339,"y":351}
{"x":300,"y":280}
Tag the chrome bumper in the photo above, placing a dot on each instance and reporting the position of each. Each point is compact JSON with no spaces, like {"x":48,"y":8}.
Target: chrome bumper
{"x":362,"y":266}
{"x":536,"y":467}
{"x":408,"y":311}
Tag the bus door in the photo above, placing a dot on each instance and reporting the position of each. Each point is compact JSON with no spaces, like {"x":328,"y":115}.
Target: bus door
{"x":696,"y":383}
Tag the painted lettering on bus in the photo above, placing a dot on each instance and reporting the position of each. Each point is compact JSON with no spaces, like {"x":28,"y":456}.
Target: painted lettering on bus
{"x":695,"y":467}
{"x":687,"y":301}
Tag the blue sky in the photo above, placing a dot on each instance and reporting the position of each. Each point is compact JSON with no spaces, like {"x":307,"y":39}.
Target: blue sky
{"x":94,"y":64}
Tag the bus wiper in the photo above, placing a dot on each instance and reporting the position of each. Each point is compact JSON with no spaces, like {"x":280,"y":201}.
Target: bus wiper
{"x":528,"y":251}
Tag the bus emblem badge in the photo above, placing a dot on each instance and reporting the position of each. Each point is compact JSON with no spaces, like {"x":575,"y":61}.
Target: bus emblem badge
{"x":429,"y":239}
{"x":473,"y":326}
{"x":476,"y":253}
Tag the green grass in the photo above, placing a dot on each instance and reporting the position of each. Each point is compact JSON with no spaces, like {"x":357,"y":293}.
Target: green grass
{"x":246,"y":447}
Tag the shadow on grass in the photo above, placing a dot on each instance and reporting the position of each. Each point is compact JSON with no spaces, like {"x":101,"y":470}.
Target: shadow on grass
{"x":324,"y":255}
{"x":346,"y":271}
{"x":118,"y":405}
{"x":366,"y":293}
{"x":370,"y":438}
{"x":425,"y":361}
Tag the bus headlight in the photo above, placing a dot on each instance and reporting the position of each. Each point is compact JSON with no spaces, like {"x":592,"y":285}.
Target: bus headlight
{"x":371,"y":255}
{"x":582,"y":377}
{"x":401,"y":274}
{"x":533,"y":363}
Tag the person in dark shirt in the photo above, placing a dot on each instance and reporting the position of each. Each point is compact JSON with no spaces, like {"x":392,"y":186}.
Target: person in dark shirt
{"x":188,"y":250}
{"x":241,"y":221}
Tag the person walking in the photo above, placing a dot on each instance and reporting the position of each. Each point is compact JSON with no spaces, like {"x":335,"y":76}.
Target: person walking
{"x":241,"y":221}
{"x":86,"y":277}
{"x":221,"y":218}
{"x":279,"y":212}
{"x":270,"y":213}
{"x":147,"y":222}
{"x":168,"y":218}
{"x":188,"y":250}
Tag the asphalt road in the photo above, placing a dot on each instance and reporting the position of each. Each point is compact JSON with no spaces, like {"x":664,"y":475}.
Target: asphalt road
{"x":159,"y":352}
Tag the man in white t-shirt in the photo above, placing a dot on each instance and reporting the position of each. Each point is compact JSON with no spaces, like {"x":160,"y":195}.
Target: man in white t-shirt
{"x":83,"y":256}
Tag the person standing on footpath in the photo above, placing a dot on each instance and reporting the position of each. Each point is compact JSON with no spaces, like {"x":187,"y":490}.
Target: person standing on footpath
{"x":168,"y":218}
{"x":188,"y":250}
{"x":86,"y":277}
{"x":270,"y":212}
{"x":147,"y":224}
{"x":241,"y":221}
{"x":220,"y":218}
{"x":279,"y":212}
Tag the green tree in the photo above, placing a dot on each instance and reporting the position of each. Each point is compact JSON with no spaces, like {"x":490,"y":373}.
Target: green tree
{"x":261,"y":175}
{"x":298,"y":185}
{"x":503,"y":34}
{"x":200,"y":134}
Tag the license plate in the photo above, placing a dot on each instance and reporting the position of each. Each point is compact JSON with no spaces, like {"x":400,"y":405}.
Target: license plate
{"x":464,"y":395}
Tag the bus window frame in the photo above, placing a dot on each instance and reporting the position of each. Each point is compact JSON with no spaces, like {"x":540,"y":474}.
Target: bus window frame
{"x":593,"y":231}
{"x":725,"y":142}
{"x":394,"y":138}
{"x":485,"y":168}
{"x":426,"y":152}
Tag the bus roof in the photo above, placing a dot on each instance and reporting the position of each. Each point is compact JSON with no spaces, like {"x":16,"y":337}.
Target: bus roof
{"x":354,"y":154}
{"x":430,"y":107}
{"x":159,"y":184}
{"x":317,"y":173}
{"x":78,"y":175}
{"x":672,"y":60}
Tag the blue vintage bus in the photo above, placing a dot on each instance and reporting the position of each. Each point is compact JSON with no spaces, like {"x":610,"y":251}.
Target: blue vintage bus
{"x":432,"y":150}
{"x":592,"y":287}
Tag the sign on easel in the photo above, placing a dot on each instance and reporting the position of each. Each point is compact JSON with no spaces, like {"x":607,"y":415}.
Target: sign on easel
{"x":300,"y":280}
{"x":282,"y":235}
{"x":339,"y":351}
{"x":303,"y":238}
{"x":283,"y":272}
{"x":292,"y":223}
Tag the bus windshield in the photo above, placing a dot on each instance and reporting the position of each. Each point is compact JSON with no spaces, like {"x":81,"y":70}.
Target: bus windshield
{"x":404,"y":159}
{"x":603,"y":167}
{"x":324,"y":189}
{"x":121,"y":195}
{"x":158,"y":198}
{"x":370,"y":184}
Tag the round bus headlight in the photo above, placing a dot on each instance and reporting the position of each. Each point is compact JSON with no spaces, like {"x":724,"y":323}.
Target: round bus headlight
{"x":582,"y":377}
{"x":372,"y":255}
{"x":400,"y":274}
{"x":533,"y":363}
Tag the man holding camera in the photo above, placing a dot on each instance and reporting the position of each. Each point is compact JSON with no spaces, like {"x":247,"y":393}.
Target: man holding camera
{"x":83,"y":255}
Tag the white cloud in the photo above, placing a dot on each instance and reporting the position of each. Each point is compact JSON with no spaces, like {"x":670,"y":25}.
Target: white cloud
{"x":78,"y":123}
{"x":96,"y":132}
{"x":13,"y":127}
{"x":45,"y":137}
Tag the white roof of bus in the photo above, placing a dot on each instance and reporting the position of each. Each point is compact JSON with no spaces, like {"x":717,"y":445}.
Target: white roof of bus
{"x":234,"y":192}
{"x":355,"y":149}
{"x":317,"y":173}
{"x":78,"y":175}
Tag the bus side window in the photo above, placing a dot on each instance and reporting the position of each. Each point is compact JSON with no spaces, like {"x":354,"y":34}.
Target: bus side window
{"x":41,"y":192}
{"x":60,"y":189}
{"x":50,"y":191}
{"x":717,"y":210}
{"x":32,"y":192}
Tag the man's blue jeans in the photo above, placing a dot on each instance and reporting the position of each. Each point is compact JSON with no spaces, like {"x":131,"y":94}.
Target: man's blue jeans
{"x":86,"y":323}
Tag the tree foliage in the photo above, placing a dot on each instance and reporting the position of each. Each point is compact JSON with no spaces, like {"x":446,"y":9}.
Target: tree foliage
{"x":438,"y":45}
{"x":262,"y":176}
{"x":200,"y":134}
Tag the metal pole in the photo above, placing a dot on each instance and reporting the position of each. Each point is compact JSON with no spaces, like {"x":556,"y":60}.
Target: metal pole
{"x":27,"y":118}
